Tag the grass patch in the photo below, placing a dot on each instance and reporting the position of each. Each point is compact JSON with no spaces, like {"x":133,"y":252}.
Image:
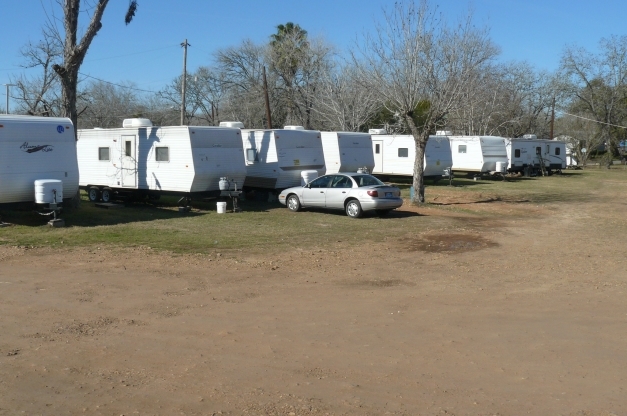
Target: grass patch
{"x":269,"y":226}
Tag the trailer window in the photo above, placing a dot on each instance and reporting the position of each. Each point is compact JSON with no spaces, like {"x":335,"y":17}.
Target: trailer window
{"x":251,"y":155}
{"x":557,"y":151}
{"x":377,"y":148}
{"x":461,"y":148}
{"x":403,"y":152}
{"x":103,"y":153}
{"x":538,"y":150}
{"x":127,"y":148}
{"x":517,"y":153}
{"x":162,"y":154}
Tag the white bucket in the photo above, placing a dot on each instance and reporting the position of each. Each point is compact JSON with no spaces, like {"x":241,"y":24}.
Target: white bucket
{"x":48,"y":191}
{"x":221,"y":206}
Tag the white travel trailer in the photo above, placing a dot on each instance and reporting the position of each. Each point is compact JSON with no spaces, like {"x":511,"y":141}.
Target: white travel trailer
{"x":522,"y":154}
{"x":276,"y":158}
{"x":555,"y":151}
{"x":35,"y":149}
{"x":347,"y":152}
{"x":145,"y":160}
{"x":395,"y":155}
{"x":530,"y":155}
{"x":479,"y":154}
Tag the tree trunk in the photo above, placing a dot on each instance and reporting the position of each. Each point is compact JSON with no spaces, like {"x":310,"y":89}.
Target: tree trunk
{"x":419,"y":175}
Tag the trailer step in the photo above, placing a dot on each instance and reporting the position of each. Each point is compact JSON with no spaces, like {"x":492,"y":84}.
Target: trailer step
{"x":109,"y":205}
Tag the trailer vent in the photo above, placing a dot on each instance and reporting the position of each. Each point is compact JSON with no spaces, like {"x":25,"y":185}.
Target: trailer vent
{"x":443,"y":133}
{"x":377,"y":131}
{"x":232,"y":124}
{"x":136,"y":122}
{"x":293,"y":128}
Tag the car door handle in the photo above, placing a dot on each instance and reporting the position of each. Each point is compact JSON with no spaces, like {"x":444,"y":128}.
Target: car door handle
{"x":343,"y":192}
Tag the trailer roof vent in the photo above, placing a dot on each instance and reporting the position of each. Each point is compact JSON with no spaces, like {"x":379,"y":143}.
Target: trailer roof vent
{"x":294,"y":128}
{"x":530,"y":136}
{"x":233,"y":124}
{"x":443,"y":133}
{"x":377,"y":131}
{"x":136,"y":122}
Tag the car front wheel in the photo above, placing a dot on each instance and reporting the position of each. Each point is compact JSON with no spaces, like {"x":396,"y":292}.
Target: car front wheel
{"x":353,"y":209}
{"x":293,"y":204}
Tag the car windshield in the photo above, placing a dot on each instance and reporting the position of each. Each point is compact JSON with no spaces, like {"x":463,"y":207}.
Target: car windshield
{"x":367,"y":180}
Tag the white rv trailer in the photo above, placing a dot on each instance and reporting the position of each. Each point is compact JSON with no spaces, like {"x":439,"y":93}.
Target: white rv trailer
{"x":276,"y":158}
{"x":395,"y":155}
{"x":347,"y":151}
{"x":530,"y":154}
{"x":478,"y":154}
{"x":142,"y":159}
{"x":34,"y":149}
{"x":555,"y":151}
{"x":522,"y":154}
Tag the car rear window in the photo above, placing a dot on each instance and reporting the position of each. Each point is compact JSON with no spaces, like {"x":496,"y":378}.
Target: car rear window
{"x":367,"y":180}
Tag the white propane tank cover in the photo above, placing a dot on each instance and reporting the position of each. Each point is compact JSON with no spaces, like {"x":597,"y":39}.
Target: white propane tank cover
{"x":377,"y":131}
{"x":48,"y":191}
{"x":307,"y":176}
{"x":500,"y":167}
{"x":443,"y":133}
{"x":232,"y":124}
{"x":136,"y":122}
{"x":530,"y":136}
{"x":293,"y":128}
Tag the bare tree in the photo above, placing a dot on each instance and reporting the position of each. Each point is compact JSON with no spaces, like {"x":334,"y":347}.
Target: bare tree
{"x":419,"y":66}
{"x":106,"y":105}
{"x":582,"y":136}
{"x":242,"y":72}
{"x":599,"y":86}
{"x":342,"y":103}
{"x":74,"y":51}
{"x":40,"y":94}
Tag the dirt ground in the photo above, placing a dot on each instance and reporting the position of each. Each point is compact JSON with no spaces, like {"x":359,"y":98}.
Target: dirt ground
{"x":499,"y":315}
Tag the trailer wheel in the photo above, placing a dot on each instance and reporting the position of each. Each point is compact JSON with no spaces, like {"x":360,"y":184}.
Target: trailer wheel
{"x":93,"y":194}
{"x":106,"y":195}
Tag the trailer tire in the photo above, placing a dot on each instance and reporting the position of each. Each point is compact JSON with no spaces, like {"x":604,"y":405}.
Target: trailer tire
{"x":106,"y":195}
{"x":93,"y":194}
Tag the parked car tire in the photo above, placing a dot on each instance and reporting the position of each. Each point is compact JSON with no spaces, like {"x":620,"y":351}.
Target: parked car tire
{"x":293,"y":203}
{"x":106,"y":195}
{"x":353,"y":208}
{"x":383,"y":212}
{"x":93,"y":194}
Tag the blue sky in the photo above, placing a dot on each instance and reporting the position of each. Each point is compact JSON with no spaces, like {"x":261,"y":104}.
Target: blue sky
{"x":148,"y":53}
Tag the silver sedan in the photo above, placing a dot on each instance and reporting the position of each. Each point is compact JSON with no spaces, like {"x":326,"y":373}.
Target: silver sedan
{"x":351,"y":192}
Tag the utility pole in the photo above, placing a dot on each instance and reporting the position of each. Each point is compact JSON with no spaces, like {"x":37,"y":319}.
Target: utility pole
{"x":8,"y":85}
{"x":184,"y":45}
{"x":265,"y":90}
{"x":552,"y":118}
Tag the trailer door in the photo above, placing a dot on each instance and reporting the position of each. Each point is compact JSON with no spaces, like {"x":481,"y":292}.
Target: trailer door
{"x":128,"y":162}
{"x":377,"y":151}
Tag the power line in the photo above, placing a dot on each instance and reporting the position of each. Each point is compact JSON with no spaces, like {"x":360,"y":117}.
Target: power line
{"x":131,"y":54}
{"x":117,"y":85}
{"x":594,"y":121}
